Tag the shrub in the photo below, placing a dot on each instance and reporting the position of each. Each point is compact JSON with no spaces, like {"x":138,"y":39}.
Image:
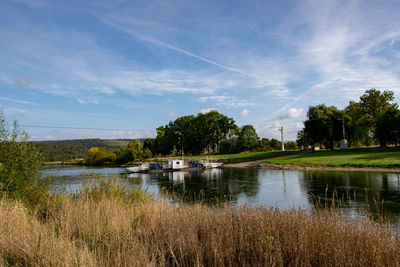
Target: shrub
{"x":20,"y":166}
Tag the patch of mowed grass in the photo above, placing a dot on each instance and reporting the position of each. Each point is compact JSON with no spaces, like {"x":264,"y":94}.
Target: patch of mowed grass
{"x":357,"y":157}
{"x":239,"y":157}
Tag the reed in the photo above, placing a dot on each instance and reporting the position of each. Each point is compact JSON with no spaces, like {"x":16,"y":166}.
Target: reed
{"x":110,"y":229}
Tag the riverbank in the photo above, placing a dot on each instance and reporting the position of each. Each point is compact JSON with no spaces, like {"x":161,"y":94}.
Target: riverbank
{"x":357,"y":159}
{"x":110,"y":226}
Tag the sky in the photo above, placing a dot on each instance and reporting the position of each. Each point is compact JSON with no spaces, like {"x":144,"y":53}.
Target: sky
{"x":120,"y":69}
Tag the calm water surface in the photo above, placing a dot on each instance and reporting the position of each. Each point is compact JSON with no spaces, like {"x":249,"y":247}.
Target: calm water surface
{"x":284,"y":189}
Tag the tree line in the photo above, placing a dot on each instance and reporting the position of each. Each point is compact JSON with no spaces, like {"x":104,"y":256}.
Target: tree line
{"x":374,"y":119}
{"x":205,"y":133}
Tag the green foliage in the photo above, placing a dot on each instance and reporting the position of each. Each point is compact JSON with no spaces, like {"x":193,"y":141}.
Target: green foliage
{"x":248,"y":138}
{"x":275,"y":144}
{"x":65,"y":150}
{"x":131,"y":152}
{"x":229,"y":146}
{"x":265,"y":144}
{"x":324,"y":125}
{"x":373,"y":102}
{"x":99,"y":156}
{"x":388,"y":126}
{"x":19,"y":170}
{"x":194,"y":134}
{"x":291,"y":145}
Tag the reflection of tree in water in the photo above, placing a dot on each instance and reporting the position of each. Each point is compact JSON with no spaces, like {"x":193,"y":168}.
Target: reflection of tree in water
{"x":355,"y":189}
{"x":211,"y":186}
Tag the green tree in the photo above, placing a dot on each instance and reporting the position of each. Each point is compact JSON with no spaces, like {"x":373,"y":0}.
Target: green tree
{"x":275,"y":144}
{"x":388,"y":126}
{"x":302,"y":139}
{"x":373,"y":102}
{"x":20,"y":163}
{"x":248,"y":138}
{"x":99,"y":156}
{"x":356,"y":124}
{"x":291,"y":145}
{"x":265,"y":144}
{"x":131,"y":152}
{"x":323,"y":125}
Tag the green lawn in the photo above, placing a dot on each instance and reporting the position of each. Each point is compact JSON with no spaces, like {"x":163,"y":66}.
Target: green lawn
{"x":361,"y":157}
{"x":241,"y":157}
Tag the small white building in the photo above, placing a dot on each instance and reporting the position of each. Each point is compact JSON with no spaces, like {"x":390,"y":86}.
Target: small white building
{"x":176,"y":164}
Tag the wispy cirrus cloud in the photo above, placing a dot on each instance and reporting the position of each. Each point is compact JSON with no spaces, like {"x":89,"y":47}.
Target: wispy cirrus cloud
{"x":18,"y":101}
{"x":226,"y":101}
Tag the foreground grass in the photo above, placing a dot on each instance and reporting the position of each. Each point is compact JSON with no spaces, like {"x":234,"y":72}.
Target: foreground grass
{"x":106,"y":228}
{"x":360,"y":157}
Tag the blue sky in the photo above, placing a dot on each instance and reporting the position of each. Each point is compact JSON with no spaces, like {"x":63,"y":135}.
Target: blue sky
{"x":138,"y":64}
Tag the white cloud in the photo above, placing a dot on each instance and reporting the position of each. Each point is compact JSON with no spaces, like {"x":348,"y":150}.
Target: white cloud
{"x":226,"y":100}
{"x":272,"y":130}
{"x":87,"y":101}
{"x":292,"y":113}
{"x":18,"y":101}
{"x":244,"y":113}
{"x":170,"y":116}
{"x":206,"y":110}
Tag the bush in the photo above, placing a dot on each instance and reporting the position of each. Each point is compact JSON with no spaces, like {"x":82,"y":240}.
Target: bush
{"x":19,"y":170}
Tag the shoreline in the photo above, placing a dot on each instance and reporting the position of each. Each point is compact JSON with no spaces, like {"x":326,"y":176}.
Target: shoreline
{"x":271,"y":166}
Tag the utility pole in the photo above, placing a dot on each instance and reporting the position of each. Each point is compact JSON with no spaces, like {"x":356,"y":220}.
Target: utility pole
{"x":281,"y":130}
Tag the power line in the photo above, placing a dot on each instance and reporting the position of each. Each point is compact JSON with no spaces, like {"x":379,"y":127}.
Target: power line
{"x":79,"y":128}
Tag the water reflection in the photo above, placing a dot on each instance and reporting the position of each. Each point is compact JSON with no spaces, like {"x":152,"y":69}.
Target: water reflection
{"x":355,"y":190}
{"x":273,"y":188}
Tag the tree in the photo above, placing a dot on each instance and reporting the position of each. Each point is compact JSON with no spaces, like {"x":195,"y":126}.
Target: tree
{"x":131,"y":152}
{"x":275,"y":144}
{"x":248,"y":138}
{"x":99,"y":156}
{"x":291,"y":145}
{"x":356,"y":124}
{"x":265,"y":144}
{"x":324,"y":125}
{"x":373,"y":102}
{"x":20,"y":164}
{"x":388,"y":126}
{"x":302,"y":139}
{"x":193,"y":134}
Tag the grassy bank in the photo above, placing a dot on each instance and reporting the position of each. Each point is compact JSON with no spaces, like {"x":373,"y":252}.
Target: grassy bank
{"x":356,"y":157}
{"x":105,"y":227}
{"x":239,"y":157}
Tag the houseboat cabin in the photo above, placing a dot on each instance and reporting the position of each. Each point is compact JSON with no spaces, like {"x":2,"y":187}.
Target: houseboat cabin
{"x":176,"y":164}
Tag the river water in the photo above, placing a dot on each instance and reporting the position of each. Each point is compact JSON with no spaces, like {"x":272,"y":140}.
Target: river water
{"x":357,"y":191}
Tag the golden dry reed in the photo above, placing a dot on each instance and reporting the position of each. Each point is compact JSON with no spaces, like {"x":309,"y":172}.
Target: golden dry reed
{"x":113,"y":230}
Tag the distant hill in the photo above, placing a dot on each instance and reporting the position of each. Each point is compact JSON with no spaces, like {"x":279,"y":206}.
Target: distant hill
{"x":62,"y":150}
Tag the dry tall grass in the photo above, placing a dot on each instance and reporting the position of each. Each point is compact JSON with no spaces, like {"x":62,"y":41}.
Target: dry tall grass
{"x":114,"y":231}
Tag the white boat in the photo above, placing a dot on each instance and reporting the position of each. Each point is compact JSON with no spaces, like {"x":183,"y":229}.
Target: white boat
{"x":140,"y":168}
{"x":208,"y":165}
